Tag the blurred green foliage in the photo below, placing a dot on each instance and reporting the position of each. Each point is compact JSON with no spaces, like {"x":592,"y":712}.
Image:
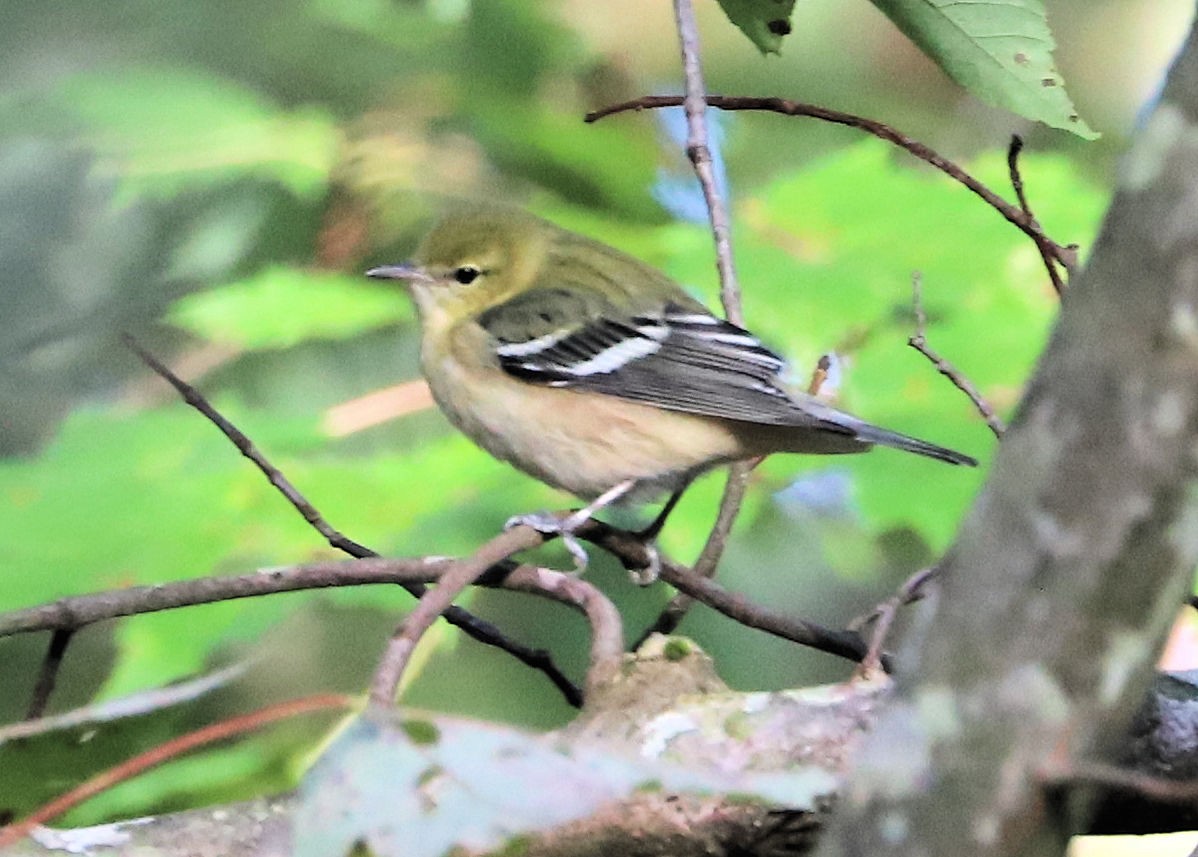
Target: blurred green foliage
{"x":213,"y":177}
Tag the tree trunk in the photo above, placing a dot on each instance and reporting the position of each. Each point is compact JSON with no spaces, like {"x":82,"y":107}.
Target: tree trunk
{"x":1077,"y":554}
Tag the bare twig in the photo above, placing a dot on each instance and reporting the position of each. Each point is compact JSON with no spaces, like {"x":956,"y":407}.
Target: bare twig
{"x":1050,"y":262}
{"x":846,"y":644}
{"x":633,"y":553}
{"x":246,"y":447}
{"x":1013,"y":214}
{"x":919,"y":342}
{"x":1013,"y":168}
{"x":695,"y":105}
{"x":165,"y":752}
{"x":607,"y":641}
{"x":48,"y":675}
{"x":697,"y":149}
{"x":882,"y":617}
{"x":436,"y":601}
{"x":81,"y":610}
{"x":472,"y":625}
{"x":819,"y":375}
{"x":607,"y":637}
{"x":607,"y":629}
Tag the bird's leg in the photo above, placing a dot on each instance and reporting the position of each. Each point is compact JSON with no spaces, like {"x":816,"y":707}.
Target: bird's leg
{"x":611,"y":495}
{"x":648,"y":537}
{"x":651,"y":532}
{"x":564,"y":528}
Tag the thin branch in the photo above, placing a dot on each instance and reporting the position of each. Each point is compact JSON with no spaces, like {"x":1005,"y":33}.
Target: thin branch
{"x":882,"y":617}
{"x":845,"y":644}
{"x":607,"y":629}
{"x":675,"y":611}
{"x":634,"y":554}
{"x":385,"y":685}
{"x":1065,"y":256}
{"x":1013,"y":168}
{"x":695,"y":106}
{"x":1050,"y":263}
{"x":472,"y":625}
{"x":164,"y":753}
{"x":819,"y":375}
{"x":76,"y":612}
{"x":81,"y":610}
{"x":697,"y":149}
{"x":919,"y":342}
{"x":47,"y":676}
{"x":246,"y":447}
{"x":607,"y":633}
{"x":134,"y":705}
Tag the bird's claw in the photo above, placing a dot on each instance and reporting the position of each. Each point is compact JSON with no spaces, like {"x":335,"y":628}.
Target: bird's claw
{"x":650,"y":573}
{"x":550,"y":525}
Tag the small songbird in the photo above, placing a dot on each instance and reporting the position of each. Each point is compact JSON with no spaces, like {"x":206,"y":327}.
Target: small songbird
{"x":596,"y":373}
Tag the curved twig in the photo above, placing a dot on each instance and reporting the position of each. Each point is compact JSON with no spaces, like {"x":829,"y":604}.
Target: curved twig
{"x":434,"y":602}
{"x":1021,"y":219}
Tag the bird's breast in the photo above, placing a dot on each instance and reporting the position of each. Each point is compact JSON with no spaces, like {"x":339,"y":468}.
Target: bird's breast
{"x":582,"y":442}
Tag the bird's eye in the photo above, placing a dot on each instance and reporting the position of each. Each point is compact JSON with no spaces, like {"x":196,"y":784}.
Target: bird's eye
{"x":466,"y":274}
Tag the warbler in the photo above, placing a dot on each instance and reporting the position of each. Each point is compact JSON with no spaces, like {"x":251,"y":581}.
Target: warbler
{"x":594,"y":372}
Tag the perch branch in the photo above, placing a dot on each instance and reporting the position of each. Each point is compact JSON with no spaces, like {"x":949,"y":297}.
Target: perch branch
{"x":846,"y":644}
{"x":81,"y":610}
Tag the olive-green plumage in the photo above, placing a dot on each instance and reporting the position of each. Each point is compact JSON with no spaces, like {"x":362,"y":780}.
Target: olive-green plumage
{"x":587,"y":368}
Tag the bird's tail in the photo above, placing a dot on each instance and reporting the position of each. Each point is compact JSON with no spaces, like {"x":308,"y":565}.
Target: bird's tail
{"x":885,"y":437}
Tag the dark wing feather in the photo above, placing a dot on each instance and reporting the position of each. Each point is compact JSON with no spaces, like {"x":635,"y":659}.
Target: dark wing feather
{"x":681,"y":358}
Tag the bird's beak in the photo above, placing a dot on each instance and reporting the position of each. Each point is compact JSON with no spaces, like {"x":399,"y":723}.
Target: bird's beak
{"x":406,"y":272}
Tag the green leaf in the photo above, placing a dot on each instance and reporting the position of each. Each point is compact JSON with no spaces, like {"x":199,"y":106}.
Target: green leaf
{"x":163,"y":129}
{"x":279,"y":307}
{"x":1001,"y":51}
{"x":765,"y":22}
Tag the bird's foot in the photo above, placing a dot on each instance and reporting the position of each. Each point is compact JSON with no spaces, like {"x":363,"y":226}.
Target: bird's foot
{"x":548,"y":524}
{"x":649,"y":574}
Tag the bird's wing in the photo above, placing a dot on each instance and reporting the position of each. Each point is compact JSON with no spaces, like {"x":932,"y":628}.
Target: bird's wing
{"x":678,"y":357}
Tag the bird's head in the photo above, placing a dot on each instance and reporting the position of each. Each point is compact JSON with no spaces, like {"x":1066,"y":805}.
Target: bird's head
{"x":473,"y":256}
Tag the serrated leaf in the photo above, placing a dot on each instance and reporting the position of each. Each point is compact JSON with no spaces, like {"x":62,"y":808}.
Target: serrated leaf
{"x":1001,"y":51}
{"x":765,"y":22}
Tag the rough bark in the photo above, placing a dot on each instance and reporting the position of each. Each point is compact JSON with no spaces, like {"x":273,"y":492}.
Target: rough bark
{"x":1070,"y":567}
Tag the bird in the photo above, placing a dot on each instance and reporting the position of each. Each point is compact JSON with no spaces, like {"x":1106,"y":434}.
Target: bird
{"x":595,"y":373}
